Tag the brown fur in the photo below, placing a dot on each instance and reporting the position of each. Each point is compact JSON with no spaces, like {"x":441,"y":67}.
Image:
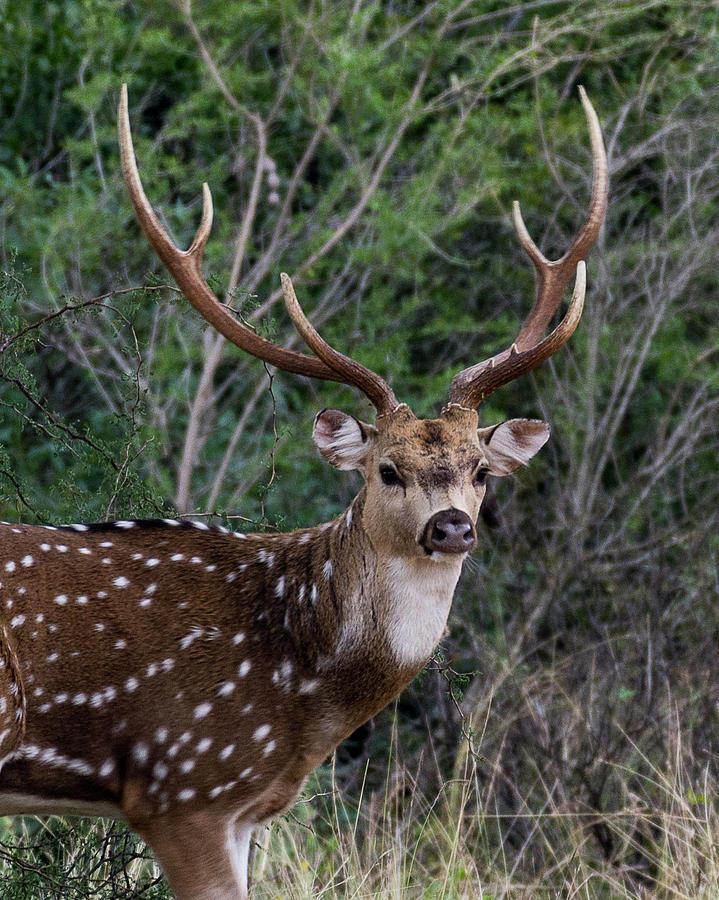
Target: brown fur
{"x":174,"y":674}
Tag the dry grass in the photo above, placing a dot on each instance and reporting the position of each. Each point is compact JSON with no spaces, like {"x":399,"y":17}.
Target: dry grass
{"x":397,"y":843}
{"x":507,"y":823}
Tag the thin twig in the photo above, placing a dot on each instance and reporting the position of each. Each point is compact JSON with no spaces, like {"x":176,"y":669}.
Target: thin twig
{"x":73,"y":307}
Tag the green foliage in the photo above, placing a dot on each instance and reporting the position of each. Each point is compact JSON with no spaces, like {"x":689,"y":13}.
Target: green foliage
{"x":60,"y":858}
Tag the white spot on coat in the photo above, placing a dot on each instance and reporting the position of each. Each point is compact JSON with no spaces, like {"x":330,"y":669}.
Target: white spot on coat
{"x":244,"y":668}
{"x":203,"y":710}
{"x":261,"y":732}
{"x":195,"y":632}
{"x":141,"y":753}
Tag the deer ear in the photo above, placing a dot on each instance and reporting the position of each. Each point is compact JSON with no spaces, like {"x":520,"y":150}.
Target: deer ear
{"x":342,"y":439}
{"x":512,"y":444}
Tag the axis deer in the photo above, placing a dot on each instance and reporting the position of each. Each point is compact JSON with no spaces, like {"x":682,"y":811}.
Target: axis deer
{"x":187,"y":679}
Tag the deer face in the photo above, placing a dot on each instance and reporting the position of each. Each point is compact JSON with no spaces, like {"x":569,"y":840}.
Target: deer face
{"x":425,"y":477}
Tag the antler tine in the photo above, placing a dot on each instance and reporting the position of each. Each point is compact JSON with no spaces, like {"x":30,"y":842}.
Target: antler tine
{"x":372,"y":385}
{"x":553,"y":276}
{"x":472,"y":386}
{"x":185,"y":266}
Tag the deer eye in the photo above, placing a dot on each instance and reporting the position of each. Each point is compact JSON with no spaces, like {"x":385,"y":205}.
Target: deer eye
{"x":389,"y":475}
{"x":480,"y":476}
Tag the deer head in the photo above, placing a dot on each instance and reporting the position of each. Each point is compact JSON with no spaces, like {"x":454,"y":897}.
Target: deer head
{"x":425,"y":479}
{"x":188,"y":679}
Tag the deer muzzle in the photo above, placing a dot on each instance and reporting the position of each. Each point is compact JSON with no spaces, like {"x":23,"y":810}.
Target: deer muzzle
{"x":449,"y":531}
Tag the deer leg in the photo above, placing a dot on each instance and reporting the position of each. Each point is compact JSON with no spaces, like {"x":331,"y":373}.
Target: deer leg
{"x":204,"y":858}
{"x":12,"y":697}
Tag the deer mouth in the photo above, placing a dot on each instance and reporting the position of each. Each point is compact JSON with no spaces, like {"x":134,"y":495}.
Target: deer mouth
{"x":449,"y":531}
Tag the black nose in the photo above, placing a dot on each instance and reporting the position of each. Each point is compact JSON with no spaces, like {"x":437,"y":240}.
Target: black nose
{"x":449,"y":531}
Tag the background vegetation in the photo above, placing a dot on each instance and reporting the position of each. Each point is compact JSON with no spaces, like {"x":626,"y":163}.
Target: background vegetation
{"x":564,"y":740}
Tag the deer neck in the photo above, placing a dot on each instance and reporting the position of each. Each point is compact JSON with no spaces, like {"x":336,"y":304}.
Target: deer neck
{"x":364,"y":622}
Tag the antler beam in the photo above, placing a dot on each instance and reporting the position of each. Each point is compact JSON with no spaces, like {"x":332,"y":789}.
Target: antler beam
{"x":185,"y":266}
{"x":473,"y":385}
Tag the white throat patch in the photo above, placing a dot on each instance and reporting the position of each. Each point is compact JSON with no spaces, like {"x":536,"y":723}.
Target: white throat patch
{"x":420,"y":596}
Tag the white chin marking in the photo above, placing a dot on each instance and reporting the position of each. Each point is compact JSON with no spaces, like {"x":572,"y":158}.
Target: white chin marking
{"x":439,"y":556}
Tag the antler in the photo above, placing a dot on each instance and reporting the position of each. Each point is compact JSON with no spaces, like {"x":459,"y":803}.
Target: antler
{"x":372,"y":386}
{"x":185,"y":266}
{"x":473,"y":385}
